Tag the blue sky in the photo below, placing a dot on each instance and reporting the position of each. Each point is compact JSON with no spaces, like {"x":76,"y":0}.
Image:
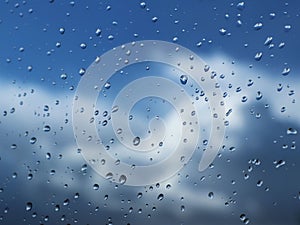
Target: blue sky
{"x":257,"y":137}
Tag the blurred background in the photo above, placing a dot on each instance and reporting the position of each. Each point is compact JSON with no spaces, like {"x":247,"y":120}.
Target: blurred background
{"x":46,"y":47}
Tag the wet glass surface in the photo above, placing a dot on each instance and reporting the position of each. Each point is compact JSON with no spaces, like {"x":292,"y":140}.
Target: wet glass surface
{"x":108,"y":109}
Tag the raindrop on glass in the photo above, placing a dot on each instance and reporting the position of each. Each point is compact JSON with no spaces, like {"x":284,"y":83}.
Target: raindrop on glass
{"x":183,"y":79}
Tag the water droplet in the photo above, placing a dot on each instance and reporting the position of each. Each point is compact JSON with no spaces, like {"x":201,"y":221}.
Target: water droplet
{"x":240,"y":6}
{"x":13,"y":146}
{"x":286,"y":71}
{"x":122,"y":179}
{"x":63,"y":76}
{"x":98,"y":32}
{"x":107,"y":85}
{"x":258,"y":26}
{"x":28,"y":206}
{"x":83,"y":45}
{"x":291,"y":131}
{"x":66,"y":202}
{"x":48,"y":155}
{"x":33,"y":140}
{"x":140,"y":195}
{"x":258,"y":56}
{"x":143,"y":5}
{"x":110,"y":37}
{"x":136,"y":141}
{"x":46,"y":128}
{"x":268,"y":41}
{"x":56,"y":208}
{"x":182,"y":208}
{"x":259,"y":95}
{"x":222,"y":31}
{"x":29,"y":68}
{"x":61,"y":30}
{"x":115,"y":109}
{"x":242,"y":217}
{"x":160,"y":197}
{"x":211,"y":195}
{"x":259,"y":183}
{"x":96,"y":186}
{"x":281,"y":45}
{"x":154,"y":19}
{"x":29,"y":176}
{"x":272,"y":15}
{"x":183,"y":79}
{"x":119,"y":131}
{"x":244,"y":99}
{"x":287,"y":28}
{"x":109,"y":176}
{"x":81,"y":71}
{"x":279,"y":163}
{"x":206,"y":68}
{"x":76,"y":196}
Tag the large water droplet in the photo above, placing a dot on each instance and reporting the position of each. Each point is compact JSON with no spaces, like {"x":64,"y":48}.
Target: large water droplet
{"x":291,"y":131}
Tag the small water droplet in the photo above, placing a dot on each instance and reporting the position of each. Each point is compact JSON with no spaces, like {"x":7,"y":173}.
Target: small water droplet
{"x":287,"y":28}
{"x":46,"y":128}
{"x":240,"y":6}
{"x":268,"y":41}
{"x":109,"y":176}
{"x":115,"y":109}
{"x":83,"y":45}
{"x":182,"y":208}
{"x":160,"y":197}
{"x":96,"y":186}
{"x":29,"y":176}
{"x":61,"y":30}
{"x":13,"y":146}
{"x":140,"y":195}
{"x":211,"y":195}
{"x":286,"y":71}
{"x":56,"y":208}
{"x":206,"y":68}
{"x":122,"y":179}
{"x":110,"y":37}
{"x":98,"y":32}
{"x":183,"y":79}
{"x":48,"y":155}
{"x":258,"y":26}
{"x":66,"y":202}
{"x":28,"y":206}
{"x":258,"y":56}
{"x":222,"y":31}
{"x":279,"y":163}
{"x":244,"y":99}
{"x":63,"y":76}
{"x":81,"y":71}
{"x":259,"y":95}
{"x":154,"y":19}
{"x":136,"y":141}
{"x":33,"y":140}
{"x":259,"y":183}
{"x":107,"y":85}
